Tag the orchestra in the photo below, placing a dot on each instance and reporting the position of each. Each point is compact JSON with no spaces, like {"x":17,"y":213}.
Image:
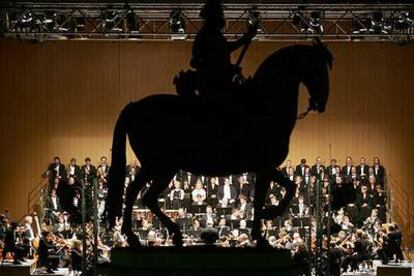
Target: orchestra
{"x":209,"y":207}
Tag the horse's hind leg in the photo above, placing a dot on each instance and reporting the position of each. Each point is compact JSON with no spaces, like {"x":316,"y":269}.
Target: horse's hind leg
{"x":150,"y":199}
{"x":131,"y":194}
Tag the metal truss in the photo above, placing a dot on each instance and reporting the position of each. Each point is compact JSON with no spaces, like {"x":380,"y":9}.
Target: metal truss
{"x":156,"y":20}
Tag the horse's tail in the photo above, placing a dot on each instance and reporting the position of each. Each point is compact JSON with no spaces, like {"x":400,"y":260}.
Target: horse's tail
{"x":117,"y":171}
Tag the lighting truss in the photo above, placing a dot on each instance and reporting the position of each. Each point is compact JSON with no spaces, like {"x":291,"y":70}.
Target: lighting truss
{"x":151,"y":20}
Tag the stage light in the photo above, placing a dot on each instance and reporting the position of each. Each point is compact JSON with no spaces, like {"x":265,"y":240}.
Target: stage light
{"x":111,"y":20}
{"x":377,"y":24}
{"x":298,"y":22}
{"x":315,"y":21}
{"x":131,"y":21}
{"x":404,"y":21}
{"x":254,"y":19}
{"x":177,"y":25}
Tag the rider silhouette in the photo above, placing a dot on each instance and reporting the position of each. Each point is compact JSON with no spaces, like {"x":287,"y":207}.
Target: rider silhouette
{"x":215,"y":77}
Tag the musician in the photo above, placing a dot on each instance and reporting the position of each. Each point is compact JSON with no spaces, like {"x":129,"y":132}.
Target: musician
{"x":346,"y":170}
{"x":88,"y":171}
{"x":379,"y":171}
{"x":364,"y":200}
{"x":223,"y":230}
{"x":370,"y":222}
{"x":245,"y":208}
{"x":269,"y":229}
{"x":195,"y":229}
{"x":274,"y":189}
{"x":76,"y":255}
{"x":226,"y":193}
{"x":212,"y":191}
{"x":330,"y":170}
{"x":103,"y":167}
{"x":74,"y":170}
{"x":318,"y":167}
{"x":347,"y":226}
{"x":56,"y":170}
{"x":242,"y":229}
{"x":134,"y":164}
{"x":285,"y":170}
{"x":101,"y":193}
{"x":393,"y":243}
{"x":360,"y":252}
{"x":176,"y":196}
{"x":209,"y":218}
{"x":13,"y":243}
{"x":29,"y":233}
{"x":53,"y":206}
{"x":362,"y":170}
{"x":3,"y":227}
{"x":62,"y":228}
{"x":47,"y":252}
{"x":300,"y":169}
{"x":198,"y":193}
{"x":242,"y":186}
{"x":379,"y":202}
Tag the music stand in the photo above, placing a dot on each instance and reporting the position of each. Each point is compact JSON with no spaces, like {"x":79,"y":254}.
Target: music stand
{"x":198,"y":209}
{"x":223,"y":211}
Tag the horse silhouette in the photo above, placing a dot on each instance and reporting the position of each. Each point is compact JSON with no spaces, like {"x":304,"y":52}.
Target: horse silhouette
{"x":250,"y":132}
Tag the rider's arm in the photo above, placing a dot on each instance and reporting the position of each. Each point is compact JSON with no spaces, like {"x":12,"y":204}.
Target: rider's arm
{"x":246,"y":38}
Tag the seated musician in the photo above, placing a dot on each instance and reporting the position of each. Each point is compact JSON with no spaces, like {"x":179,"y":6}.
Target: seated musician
{"x":47,"y":252}
{"x":209,"y":217}
{"x":223,"y":230}
{"x":243,"y":228}
{"x":76,"y":255}
{"x":53,"y":206}
{"x":246,"y":208}
{"x":195,"y":229}
{"x":12,"y":243}
{"x":360,"y":252}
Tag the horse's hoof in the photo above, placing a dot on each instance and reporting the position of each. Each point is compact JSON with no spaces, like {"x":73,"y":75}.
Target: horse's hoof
{"x":262,"y":243}
{"x":177,"y":240}
{"x":133,"y":240}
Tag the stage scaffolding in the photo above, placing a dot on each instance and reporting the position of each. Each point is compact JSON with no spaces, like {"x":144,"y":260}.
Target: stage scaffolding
{"x":179,"y":20}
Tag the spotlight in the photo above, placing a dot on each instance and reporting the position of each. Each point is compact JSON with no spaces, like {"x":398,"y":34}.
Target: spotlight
{"x":177,"y":25}
{"x":315,"y":21}
{"x":404,"y":21}
{"x":299,"y":23}
{"x":377,"y":24}
{"x":62,"y":25}
{"x":254,"y":19}
{"x":131,"y":22}
{"x":111,"y":19}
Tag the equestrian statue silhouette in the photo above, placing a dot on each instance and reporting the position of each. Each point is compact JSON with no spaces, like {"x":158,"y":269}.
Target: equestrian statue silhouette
{"x":248,"y":130}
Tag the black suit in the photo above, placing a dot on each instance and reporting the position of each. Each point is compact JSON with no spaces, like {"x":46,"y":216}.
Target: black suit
{"x":329,"y":170}
{"x":315,"y":170}
{"x":56,"y":171}
{"x":300,"y":170}
{"x":362,"y":169}
{"x":379,"y":174}
{"x":76,"y":172}
{"x":46,"y":254}
{"x":90,"y":174}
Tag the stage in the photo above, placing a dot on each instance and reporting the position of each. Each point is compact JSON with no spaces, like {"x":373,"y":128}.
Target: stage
{"x":199,"y":260}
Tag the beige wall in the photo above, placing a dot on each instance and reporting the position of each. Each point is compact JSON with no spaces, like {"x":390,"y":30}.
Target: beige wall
{"x":62,"y":98}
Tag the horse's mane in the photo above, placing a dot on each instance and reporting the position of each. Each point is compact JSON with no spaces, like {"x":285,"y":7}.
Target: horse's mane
{"x":283,"y":58}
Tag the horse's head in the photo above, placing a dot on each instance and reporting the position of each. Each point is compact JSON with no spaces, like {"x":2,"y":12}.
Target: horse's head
{"x":315,"y":63}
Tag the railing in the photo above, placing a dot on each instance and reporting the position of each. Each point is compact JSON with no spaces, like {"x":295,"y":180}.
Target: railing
{"x":401,"y":196}
{"x":35,"y":196}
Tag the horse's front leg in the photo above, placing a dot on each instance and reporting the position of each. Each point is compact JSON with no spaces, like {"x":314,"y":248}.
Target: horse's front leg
{"x":261,"y":188}
{"x":290,"y":187}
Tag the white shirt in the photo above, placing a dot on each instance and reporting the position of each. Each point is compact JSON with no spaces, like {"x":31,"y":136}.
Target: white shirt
{"x":54,"y":202}
{"x":226,"y":191}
